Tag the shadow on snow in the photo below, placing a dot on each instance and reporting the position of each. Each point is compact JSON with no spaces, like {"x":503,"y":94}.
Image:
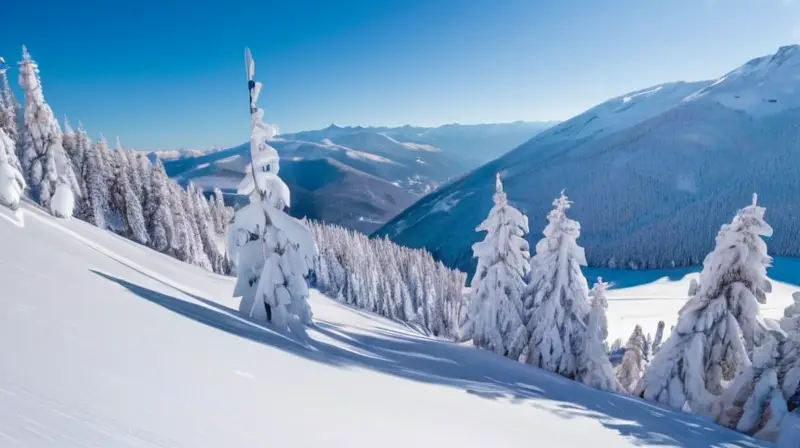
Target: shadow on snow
{"x":477,"y":372}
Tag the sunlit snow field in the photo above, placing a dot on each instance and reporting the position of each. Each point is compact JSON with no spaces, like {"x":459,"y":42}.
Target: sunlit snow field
{"x":105,"y":343}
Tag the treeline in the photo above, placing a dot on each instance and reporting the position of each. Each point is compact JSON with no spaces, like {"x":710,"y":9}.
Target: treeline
{"x":120,"y":190}
{"x":125,"y":192}
{"x":396,"y":282}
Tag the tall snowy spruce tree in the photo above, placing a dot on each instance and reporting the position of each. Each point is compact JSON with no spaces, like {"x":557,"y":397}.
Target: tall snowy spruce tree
{"x":558,"y":295}
{"x":753,"y":402}
{"x":594,"y":367}
{"x":496,"y":317}
{"x":44,"y":161}
{"x":719,"y":326}
{"x":162,"y":227}
{"x":8,"y":105}
{"x":273,"y":251}
{"x":634,"y":361}
{"x":126,"y":202}
{"x":94,"y":205}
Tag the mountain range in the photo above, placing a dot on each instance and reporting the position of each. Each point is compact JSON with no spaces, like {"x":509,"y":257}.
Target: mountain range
{"x":653,"y":174}
{"x":371,"y":174}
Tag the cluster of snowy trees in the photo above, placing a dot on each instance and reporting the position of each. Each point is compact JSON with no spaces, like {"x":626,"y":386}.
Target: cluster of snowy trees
{"x":120,"y":190}
{"x":722,"y":360}
{"x":379,"y":276}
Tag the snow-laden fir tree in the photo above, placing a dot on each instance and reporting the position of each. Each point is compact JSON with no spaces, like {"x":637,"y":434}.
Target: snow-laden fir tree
{"x":127,"y":203}
{"x":199,"y":256}
{"x":718,"y":327}
{"x":44,"y":161}
{"x":162,"y":227}
{"x":144,"y":168}
{"x":205,"y":229}
{"x":69,"y":141}
{"x":182,"y":242}
{"x":12,"y":183}
{"x":273,"y":251}
{"x":594,"y":367}
{"x":658,"y":339}
{"x":789,"y":364}
{"x":95,"y":175}
{"x":496,"y":317}
{"x":8,"y":105}
{"x":558,"y":295}
{"x":634,"y":361}
{"x":753,"y":403}
{"x":134,"y":173}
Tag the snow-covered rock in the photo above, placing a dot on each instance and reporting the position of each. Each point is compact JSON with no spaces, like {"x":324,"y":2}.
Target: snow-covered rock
{"x":659,"y":161}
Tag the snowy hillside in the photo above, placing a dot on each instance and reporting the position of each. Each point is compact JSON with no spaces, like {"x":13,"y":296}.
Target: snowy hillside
{"x":106,"y":343}
{"x":675,"y":160}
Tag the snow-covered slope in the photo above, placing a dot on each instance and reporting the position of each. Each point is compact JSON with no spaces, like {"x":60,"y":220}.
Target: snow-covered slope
{"x":653,"y":174}
{"x":106,"y":343}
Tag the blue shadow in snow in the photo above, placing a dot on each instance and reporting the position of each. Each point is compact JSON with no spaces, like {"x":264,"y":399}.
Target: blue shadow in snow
{"x":477,"y":372}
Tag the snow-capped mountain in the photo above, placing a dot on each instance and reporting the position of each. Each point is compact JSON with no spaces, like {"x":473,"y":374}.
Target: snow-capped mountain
{"x":322,"y":188}
{"x":141,"y":350}
{"x":394,"y":165}
{"x":653,"y":173}
{"x":477,"y":143}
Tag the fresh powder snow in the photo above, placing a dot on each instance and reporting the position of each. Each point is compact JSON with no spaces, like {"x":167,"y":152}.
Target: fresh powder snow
{"x":107,"y":343}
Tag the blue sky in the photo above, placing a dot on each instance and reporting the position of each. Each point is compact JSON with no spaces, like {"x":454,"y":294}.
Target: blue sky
{"x":168,"y":74}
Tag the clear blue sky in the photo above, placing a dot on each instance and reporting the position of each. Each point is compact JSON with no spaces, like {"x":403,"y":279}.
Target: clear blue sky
{"x":168,"y":74}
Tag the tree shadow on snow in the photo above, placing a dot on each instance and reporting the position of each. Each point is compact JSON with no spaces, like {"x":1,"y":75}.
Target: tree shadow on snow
{"x":477,"y":372}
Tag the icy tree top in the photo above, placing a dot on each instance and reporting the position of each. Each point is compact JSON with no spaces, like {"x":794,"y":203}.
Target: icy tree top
{"x":67,"y":127}
{"x":499,"y":196}
{"x":559,"y":223}
{"x":598,"y":293}
{"x":29,"y":73}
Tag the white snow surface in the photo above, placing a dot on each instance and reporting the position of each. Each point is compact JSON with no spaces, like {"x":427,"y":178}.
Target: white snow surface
{"x":648,"y":303}
{"x":106,"y":343}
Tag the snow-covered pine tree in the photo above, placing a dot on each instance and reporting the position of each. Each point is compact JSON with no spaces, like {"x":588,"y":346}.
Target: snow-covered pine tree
{"x":198,"y":252}
{"x":496,"y":317}
{"x":43,"y":159}
{"x":182,"y":243}
{"x":218,"y":212}
{"x":594,"y":367}
{"x":658,"y":338}
{"x":8,"y":105}
{"x":69,"y":141}
{"x":558,"y":294}
{"x":162,"y":227}
{"x":144,"y":166}
{"x":127,"y":203}
{"x":95,"y":176}
{"x":205,"y":229}
{"x":753,"y":403}
{"x":261,"y":229}
{"x":633,"y":363}
{"x":719,"y":326}
{"x":134,"y":174}
{"x":12,"y":183}
{"x":789,"y":364}
{"x":82,"y":151}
